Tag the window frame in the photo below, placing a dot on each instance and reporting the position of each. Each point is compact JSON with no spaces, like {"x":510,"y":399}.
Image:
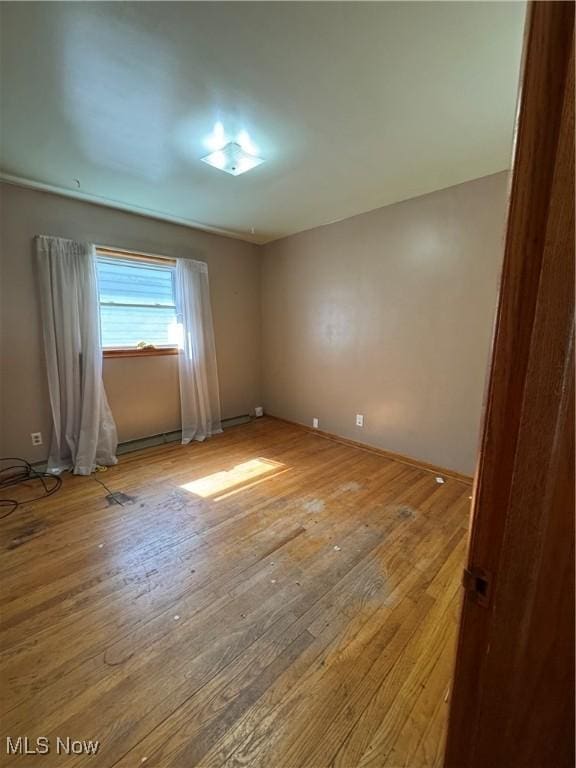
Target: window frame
{"x":115,"y":352}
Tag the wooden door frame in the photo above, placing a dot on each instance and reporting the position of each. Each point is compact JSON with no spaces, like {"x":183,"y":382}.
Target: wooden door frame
{"x":521,"y":550}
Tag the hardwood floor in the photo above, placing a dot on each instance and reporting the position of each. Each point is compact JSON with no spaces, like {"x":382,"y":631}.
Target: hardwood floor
{"x":267,"y":598}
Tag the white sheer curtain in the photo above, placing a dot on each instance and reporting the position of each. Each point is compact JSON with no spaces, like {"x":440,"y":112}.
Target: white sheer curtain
{"x":84,"y":433}
{"x":199,"y":395}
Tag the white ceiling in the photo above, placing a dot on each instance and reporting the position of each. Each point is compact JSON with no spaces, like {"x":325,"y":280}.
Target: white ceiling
{"x":353,"y":105}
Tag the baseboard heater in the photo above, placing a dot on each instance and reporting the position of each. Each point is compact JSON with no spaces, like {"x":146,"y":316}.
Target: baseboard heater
{"x":172,"y":437}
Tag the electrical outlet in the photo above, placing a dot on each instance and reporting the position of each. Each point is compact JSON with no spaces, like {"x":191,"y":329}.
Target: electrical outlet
{"x":258,"y":411}
{"x":359,"y":420}
{"x":315,"y":423}
{"x":36,"y":438}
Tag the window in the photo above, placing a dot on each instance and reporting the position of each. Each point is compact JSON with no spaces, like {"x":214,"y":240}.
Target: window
{"x":137,"y":303}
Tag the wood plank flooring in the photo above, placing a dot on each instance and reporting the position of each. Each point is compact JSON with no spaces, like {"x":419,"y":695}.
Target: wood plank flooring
{"x":269,"y":598}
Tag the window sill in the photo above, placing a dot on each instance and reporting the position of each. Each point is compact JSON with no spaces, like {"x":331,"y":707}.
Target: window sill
{"x":131,"y":352}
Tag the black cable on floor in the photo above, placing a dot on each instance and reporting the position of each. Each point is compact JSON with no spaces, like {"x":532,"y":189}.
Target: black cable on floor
{"x":112,"y":494}
{"x":23,"y":472}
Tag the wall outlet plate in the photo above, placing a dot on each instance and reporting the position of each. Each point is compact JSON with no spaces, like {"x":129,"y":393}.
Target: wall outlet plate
{"x":36,"y":438}
{"x":259,"y":411}
{"x":315,"y":423}
{"x":359,"y":420}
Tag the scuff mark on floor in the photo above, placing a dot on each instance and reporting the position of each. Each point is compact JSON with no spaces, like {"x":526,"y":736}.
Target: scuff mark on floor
{"x":405,"y":512}
{"x":350,"y":487}
{"x":314,"y":506}
{"x":26,"y":533}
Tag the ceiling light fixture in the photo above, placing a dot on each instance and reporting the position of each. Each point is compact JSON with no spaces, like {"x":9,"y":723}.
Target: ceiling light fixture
{"x":233,"y":159}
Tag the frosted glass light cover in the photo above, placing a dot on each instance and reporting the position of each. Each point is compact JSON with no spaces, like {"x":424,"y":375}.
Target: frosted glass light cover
{"x":232,"y":159}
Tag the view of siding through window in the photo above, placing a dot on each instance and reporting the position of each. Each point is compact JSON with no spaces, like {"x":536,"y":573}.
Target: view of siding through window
{"x":137,"y":303}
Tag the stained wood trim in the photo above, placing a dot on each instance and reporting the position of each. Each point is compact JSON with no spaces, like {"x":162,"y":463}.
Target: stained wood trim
{"x":512,"y":698}
{"x":399,"y":457}
{"x":118,"y":253}
{"x":156,"y":352}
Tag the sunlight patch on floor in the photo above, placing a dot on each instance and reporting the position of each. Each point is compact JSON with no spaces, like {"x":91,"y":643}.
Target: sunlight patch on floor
{"x":210,"y":485}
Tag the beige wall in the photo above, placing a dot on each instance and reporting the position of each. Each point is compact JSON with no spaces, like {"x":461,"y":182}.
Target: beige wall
{"x":389,"y":314}
{"x":150,"y":404}
{"x":143,"y":393}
